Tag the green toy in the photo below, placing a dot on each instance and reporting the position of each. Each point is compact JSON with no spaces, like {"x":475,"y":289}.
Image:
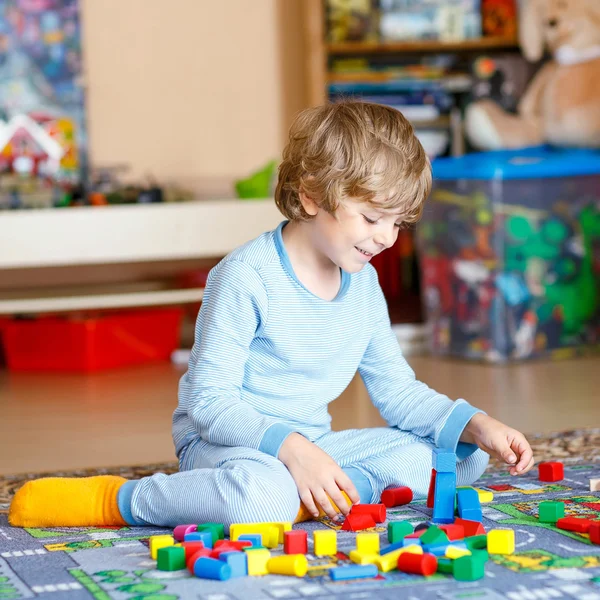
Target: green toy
{"x":258,"y":185}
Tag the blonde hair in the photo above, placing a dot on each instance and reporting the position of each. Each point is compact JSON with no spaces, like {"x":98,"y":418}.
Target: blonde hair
{"x":353,"y":149}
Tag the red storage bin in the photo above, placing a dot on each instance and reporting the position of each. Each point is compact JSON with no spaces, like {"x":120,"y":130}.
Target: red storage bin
{"x":92,"y":343}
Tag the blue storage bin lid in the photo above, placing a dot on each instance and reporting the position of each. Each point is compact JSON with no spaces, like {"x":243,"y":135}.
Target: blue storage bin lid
{"x":528,"y":163}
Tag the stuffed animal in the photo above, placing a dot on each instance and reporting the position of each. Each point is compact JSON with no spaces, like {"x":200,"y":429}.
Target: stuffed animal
{"x":561,"y":105}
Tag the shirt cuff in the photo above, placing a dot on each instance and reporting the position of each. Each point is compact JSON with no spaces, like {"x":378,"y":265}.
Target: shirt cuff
{"x":457,"y":421}
{"x":273,"y":438}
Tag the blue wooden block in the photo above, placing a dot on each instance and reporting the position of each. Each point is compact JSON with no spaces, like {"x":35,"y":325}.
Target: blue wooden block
{"x":392,"y":547}
{"x":436,"y":549}
{"x":469,"y":506}
{"x":211,"y":568}
{"x":255,"y":538}
{"x":411,"y":542}
{"x":444,"y":460}
{"x":353,"y":572}
{"x":237,"y":561}
{"x":443,"y":498}
{"x":199,"y":536}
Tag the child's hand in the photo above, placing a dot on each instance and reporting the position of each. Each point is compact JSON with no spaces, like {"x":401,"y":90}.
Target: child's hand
{"x":500,"y":441}
{"x":317,"y":476}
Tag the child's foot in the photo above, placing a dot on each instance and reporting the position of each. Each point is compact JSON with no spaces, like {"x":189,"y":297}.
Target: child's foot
{"x":305,"y":515}
{"x":67,"y":502}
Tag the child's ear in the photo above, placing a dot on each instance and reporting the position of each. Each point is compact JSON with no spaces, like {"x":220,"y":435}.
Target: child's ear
{"x":309,"y":204}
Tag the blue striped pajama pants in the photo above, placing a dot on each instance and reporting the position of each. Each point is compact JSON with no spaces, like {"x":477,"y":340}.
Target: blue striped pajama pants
{"x":221,"y":484}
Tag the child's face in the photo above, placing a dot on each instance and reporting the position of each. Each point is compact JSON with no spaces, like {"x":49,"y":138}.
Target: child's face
{"x":357,"y":232}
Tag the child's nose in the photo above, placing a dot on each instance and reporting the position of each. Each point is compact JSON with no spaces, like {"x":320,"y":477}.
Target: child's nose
{"x":386,"y":237}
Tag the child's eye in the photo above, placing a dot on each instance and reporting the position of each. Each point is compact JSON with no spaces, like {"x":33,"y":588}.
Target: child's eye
{"x":369,"y":220}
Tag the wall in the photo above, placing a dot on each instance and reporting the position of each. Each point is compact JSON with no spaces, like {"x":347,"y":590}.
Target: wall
{"x":197,"y":91}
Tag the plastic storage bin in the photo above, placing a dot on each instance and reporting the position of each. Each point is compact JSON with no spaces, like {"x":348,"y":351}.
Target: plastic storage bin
{"x":509,"y":248}
{"x":91,"y":343}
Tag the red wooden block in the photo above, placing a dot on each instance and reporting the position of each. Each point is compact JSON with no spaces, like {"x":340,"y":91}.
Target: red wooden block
{"x":576,"y":524}
{"x":595,"y":532}
{"x":397,"y":496}
{"x":377,"y":511}
{"x":237,"y":545}
{"x":358,"y":522}
{"x":431,"y":493}
{"x":191,"y":548}
{"x":194,"y":557}
{"x":416,"y":534}
{"x":454,"y":532}
{"x":471,"y":527}
{"x":295,"y":542}
{"x":418,"y":564}
{"x":551,"y":471}
{"x":216,"y":552}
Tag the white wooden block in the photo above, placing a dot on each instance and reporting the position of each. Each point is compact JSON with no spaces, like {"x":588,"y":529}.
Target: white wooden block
{"x":595,"y":485}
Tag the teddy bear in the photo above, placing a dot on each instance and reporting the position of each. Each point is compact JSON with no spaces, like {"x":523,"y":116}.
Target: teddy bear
{"x":561,"y":105}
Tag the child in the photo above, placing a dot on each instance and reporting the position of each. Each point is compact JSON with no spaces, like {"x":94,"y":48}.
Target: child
{"x":287,"y":320}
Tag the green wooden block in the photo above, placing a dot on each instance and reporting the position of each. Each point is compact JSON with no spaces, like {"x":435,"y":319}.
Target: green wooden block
{"x":434,"y":535}
{"x":171,"y":558}
{"x":480,"y":554}
{"x":398,"y":530}
{"x":250,"y":548}
{"x":217,"y":530}
{"x":468,"y":568}
{"x":444,"y":565}
{"x":476,"y":542}
{"x":550,"y":512}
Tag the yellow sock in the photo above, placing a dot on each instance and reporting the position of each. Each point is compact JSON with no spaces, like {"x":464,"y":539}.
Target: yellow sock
{"x":67,"y":502}
{"x":305,"y":515}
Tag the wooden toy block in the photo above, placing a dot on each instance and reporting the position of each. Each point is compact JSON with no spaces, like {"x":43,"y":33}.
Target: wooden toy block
{"x":431,"y":492}
{"x":288,"y":564}
{"x":454,"y":552}
{"x":254,"y":538}
{"x":358,"y":522}
{"x":234,"y":545}
{"x":471,"y":527}
{"x":445,"y":565}
{"x":443,"y":498}
{"x":417,"y":564}
{"x":170,"y":558}
{"x":269,"y":532}
{"x":200,"y":536}
{"x":282,"y":527}
{"x":485,"y":496}
{"x":353,"y":572}
{"x":363,"y":559}
{"x":397,"y":530}
{"x":594,"y":485}
{"x":501,"y":541}
{"x":217,"y":530}
{"x":159,"y":541}
{"x":295,"y":542}
{"x":453,"y":531}
{"x":189,"y":562}
{"x":595,"y":532}
{"x":325,"y":542}
{"x":436,"y":549}
{"x":551,"y":512}
{"x":367,"y":543}
{"x":480,"y":555}
{"x":408,"y":541}
{"x":377,"y":511}
{"x":218,"y":552}
{"x":434,"y":535}
{"x":257,"y":561}
{"x":576,"y":524}
{"x":388,"y":561}
{"x":180,"y":531}
{"x":416,"y":535}
{"x":468,"y":568}
{"x":551,"y":471}
{"x":237,"y":561}
{"x":444,"y":460}
{"x":211,"y":568}
{"x":397,"y":496}
{"x":469,"y":507}
{"x":426,"y":525}
{"x":191,"y":548}
{"x":476,"y":542}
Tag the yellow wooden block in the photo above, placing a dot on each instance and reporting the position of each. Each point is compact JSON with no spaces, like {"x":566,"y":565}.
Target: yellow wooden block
{"x":501,"y":541}
{"x":484,"y":496}
{"x":288,"y":564}
{"x":367,"y":543}
{"x":455,"y":552}
{"x":325,"y":542}
{"x":363,"y":559}
{"x":282,"y":528}
{"x":257,"y":561}
{"x":269,"y":532}
{"x":160,"y":541}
